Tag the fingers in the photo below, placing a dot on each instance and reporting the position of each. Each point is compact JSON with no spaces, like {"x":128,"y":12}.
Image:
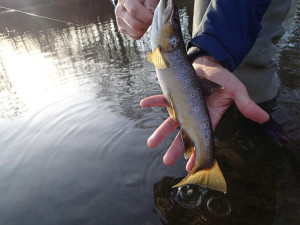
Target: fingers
{"x":249,"y":108}
{"x":127,"y":30}
{"x":128,"y":25}
{"x":133,"y":18}
{"x":167,"y":127}
{"x":175,"y":151}
{"x":156,"y":100}
{"x":137,"y":10}
{"x":151,"y":5}
{"x":191,"y":162}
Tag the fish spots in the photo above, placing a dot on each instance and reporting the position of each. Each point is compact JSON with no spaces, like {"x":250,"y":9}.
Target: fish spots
{"x":197,"y":109}
{"x":175,"y":56}
{"x":182,"y":72}
{"x":187,"y":80}
{"x":207,"y":138}
{"x":193,"y":94}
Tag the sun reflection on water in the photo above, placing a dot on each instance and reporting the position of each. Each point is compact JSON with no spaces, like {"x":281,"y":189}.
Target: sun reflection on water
{"x":42,"y":62}
{"x":31,"y":77}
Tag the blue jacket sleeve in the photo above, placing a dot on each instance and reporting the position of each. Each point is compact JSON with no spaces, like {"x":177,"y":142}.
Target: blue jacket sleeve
{"x":229,"y":29}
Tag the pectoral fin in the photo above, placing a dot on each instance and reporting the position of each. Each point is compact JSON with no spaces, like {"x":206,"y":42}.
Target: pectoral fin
{"x":210,"y":177}
{"x":208,"y":87}
{"x":170,"y":107}
{"x":157,"y":59}
{"x":188,"y":144}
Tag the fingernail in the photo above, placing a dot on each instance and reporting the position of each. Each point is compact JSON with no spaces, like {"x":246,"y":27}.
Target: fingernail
{"x":167,"y":161}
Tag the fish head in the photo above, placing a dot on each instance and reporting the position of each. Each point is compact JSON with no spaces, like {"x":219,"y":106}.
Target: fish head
{"x":165,"y":29}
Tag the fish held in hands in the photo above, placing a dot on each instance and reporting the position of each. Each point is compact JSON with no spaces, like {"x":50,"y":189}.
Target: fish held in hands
{"x":185,"y":93}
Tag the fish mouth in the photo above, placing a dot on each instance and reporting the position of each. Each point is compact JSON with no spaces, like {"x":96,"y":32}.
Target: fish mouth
{"x":168,"y":12}
{"x":162,"y":15}
{"x":164,"y":10}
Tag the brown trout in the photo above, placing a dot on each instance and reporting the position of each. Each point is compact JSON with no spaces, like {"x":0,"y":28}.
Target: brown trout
{"x":184,"y":92}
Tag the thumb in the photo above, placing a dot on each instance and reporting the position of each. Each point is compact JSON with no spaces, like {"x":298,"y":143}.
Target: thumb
{"x":151,"y":4}
{"x":249,"y":108}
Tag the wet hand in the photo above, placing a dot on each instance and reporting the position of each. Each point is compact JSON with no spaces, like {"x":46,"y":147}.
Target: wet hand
{"x":217,"y":103}
{"x":135,"y":16}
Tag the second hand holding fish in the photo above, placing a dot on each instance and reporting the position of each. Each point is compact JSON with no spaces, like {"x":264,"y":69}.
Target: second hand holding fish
{"x":217,"y":104}
{"x":184,"y":99}
{"x":184,"y":92}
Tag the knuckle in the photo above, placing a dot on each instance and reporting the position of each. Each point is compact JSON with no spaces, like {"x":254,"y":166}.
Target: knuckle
{"x":119,"y":23}
{"x":118,"y":10}
{"x":133,"y":10}
{"x":123,"y":31}
{"x":138,"y":35}
{"x":152,"y":3}
{"x":136,"y":26}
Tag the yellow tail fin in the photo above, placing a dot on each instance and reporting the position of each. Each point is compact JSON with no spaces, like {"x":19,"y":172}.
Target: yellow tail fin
{"x":210,"y":177}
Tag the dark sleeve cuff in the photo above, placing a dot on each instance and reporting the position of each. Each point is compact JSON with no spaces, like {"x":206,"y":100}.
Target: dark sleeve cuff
{"x":203,"y":45}
{"x":194,"y":52}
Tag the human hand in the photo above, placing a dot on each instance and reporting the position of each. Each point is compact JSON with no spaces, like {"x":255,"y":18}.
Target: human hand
{"x":217,"y":103}
{"x":135,"y":16}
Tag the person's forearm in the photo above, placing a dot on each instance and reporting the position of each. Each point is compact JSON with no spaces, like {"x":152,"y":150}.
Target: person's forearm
{"x":229,"y":29}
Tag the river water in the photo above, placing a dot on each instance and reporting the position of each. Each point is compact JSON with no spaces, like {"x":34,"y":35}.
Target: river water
{"x":73,"y":137}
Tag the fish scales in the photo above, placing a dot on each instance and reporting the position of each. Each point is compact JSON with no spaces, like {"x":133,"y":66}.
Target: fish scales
{"x":185,"y":95}
{"x":180,"y":85}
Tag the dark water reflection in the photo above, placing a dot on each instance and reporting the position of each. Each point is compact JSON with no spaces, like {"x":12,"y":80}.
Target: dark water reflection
{"x":73,"y":137}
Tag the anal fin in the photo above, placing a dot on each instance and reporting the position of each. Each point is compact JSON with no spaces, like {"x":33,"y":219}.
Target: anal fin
{"x":188,"y":144}
{"x":170,"y":107}
{"x":210,"y":177}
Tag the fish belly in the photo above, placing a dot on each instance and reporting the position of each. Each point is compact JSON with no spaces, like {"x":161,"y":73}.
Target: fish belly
{"x":182,"y":90}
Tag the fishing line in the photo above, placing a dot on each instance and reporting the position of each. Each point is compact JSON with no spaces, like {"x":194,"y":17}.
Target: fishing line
{"x":44,"y":17}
